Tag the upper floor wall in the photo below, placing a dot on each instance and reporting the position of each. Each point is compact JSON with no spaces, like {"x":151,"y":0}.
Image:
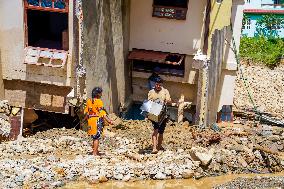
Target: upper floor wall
{"x":163,"y":34}
{"x":13,"y":46}
{"x":264,"y":4}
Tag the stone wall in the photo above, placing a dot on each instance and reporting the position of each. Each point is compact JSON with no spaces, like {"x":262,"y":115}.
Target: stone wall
{"x":105,"y":36}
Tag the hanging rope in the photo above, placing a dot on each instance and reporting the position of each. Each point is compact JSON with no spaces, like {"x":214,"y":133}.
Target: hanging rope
{"x":244,"y":80}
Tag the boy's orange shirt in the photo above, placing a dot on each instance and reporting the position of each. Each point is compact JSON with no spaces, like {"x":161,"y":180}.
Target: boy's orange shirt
{"x":94,"y":108}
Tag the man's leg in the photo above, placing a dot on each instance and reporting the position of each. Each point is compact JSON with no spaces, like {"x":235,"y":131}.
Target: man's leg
{"x":160,"y":141}
{"x":154,"y":139}
{"x":161,"y":135}
{"x":96,"y":147}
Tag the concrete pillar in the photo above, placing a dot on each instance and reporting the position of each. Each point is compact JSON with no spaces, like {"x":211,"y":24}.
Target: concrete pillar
{"x":180,"y":109}
{"x":201,"y":63}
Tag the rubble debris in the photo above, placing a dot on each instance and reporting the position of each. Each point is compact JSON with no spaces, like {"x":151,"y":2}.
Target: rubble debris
{"x":268,"y":99}
{"x":257,"y":182}
{"x":5,"y":127}
{"x":57,"y":156}
{"x":5,"y":111}
{"x":4,"y":107}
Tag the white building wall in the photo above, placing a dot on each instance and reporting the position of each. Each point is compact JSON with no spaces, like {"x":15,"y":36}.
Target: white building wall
{"x":230,"y":64}
{"x":168,"y":35}
{"x":252,"y":4}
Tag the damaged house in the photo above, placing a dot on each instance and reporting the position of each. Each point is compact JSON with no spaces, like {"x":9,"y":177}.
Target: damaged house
{"x":44,"y":44}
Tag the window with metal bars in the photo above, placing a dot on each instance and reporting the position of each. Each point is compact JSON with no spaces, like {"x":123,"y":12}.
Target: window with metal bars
{"x":48,"y":5}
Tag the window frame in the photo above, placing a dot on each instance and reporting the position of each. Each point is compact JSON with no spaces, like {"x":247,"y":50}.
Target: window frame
{"x":248,"y":24}
{"x":39,"y":8}
{"x":276,"y":2}
{"x":183,"y":17}
{"x":50,"y":9}
{"x":26,"y":39}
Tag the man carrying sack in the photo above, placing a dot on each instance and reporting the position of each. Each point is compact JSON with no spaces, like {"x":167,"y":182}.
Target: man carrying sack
{"x":159,"y":95}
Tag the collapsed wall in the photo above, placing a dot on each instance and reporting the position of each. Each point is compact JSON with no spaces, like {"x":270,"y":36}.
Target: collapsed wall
{"x":105,"y":37}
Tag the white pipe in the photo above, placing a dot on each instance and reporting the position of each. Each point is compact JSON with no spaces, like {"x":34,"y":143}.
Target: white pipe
{"x":22,"y":124}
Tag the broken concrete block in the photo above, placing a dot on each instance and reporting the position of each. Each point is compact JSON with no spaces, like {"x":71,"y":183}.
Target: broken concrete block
{"x":15,"y":111}
{"x":73,"y":101}
{"x":201,"y":154}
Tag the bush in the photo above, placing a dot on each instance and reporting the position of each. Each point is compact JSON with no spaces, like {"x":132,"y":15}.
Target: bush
{"x":267,"y":51}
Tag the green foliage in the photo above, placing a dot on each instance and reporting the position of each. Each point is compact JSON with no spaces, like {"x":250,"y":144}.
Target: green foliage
{"x":262,"y":50}
{"x":269,"y":25}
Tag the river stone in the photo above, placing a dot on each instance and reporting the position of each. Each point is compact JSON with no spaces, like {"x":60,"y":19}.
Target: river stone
{"x":160,"y":176}
{"x":242,"y":162}
{"x":274,"y":138}
{"x":126,"y":177}
{"x":103,"y":179}
{"x":187,"y":174}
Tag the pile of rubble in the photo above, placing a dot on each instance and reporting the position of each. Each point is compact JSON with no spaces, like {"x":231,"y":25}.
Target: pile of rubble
{"x":51,"y":158}
{"x":5,"y":126}
{"x":266,"y":87}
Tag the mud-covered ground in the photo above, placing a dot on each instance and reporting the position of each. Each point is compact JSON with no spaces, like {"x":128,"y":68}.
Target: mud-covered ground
{"x":52,"y":158}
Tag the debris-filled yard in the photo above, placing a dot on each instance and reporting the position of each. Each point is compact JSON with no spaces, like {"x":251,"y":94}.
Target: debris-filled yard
{"x":266,"y":87}
{"x":54,"y":157}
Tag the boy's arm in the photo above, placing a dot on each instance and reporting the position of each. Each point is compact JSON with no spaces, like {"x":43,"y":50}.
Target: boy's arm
{"x":108,"y":120}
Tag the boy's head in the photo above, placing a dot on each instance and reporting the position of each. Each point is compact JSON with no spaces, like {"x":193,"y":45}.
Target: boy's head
{"x":97,"y":92}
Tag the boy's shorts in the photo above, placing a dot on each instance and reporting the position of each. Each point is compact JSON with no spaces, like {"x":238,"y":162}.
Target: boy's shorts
{"x":99,"y":133}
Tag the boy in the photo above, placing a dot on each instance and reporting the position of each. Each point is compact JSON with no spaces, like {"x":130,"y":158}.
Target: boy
{"x":96,"y":116}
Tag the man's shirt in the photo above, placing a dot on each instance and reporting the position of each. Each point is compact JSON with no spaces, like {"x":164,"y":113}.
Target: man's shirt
{"x":163,"y":95}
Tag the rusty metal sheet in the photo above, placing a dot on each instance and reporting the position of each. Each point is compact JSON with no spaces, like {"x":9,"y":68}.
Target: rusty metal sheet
{"x":146,"y":55}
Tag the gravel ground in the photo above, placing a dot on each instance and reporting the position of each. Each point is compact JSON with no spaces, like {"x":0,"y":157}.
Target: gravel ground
{"x":266,"y":87}
{"x":52,"y":158}
{"x":258,"y":182}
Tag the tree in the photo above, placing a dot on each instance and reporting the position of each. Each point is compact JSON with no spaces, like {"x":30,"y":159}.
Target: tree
{"x":269,"y":26}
